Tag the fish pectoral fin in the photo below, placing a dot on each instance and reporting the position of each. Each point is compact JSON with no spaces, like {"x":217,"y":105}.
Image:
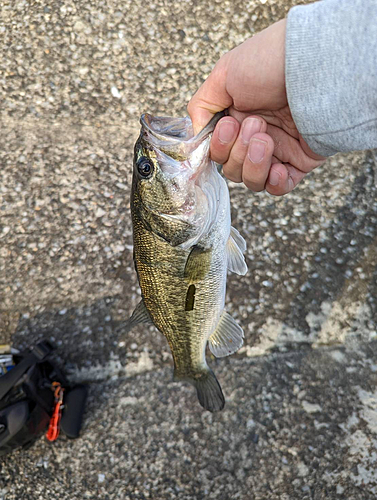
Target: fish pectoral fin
{"x":140,"y":315}
{"x":227,"y":338}
{"x":197,"y":264}
{"x":235,"y":248}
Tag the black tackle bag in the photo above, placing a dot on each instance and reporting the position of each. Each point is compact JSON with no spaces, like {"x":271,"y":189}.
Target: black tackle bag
{"x":27,"y":399}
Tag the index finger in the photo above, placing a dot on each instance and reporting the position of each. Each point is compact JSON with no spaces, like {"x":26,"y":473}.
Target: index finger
{"x":210,"y":98}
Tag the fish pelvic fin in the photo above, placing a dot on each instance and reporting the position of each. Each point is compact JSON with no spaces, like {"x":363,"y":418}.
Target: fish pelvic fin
{"x":208,"y":389}
{"x":227,"y":338}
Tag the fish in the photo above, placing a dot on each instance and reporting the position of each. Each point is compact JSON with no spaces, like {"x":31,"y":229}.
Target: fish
{"x":183,"y":246}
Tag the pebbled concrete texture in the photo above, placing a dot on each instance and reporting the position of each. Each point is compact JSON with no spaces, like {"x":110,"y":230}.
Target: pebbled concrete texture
{"x":300,"y":420}
{"x":296,"y":425}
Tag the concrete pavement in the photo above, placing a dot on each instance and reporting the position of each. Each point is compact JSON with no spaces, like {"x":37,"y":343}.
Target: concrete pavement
{"x":300,"y":420}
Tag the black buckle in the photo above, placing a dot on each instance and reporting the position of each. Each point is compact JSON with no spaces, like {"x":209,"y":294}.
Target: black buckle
{"x":42,"y":350}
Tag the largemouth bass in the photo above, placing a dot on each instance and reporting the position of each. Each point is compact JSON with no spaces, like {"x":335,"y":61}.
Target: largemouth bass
{"x":183,"y":246}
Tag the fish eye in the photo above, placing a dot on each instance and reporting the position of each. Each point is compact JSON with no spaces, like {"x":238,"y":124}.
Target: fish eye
{"x":145,"y":167}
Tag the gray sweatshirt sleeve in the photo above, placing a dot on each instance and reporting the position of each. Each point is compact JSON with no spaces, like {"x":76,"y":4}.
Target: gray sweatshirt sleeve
{"x":331,"y":74}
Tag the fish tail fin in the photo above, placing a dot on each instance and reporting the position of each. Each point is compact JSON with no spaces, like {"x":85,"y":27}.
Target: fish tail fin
{"x":209,"y":391}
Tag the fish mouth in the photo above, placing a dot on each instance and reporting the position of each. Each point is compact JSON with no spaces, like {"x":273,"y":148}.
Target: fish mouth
{"x":166,"y":128}
{"x":175,"y":136}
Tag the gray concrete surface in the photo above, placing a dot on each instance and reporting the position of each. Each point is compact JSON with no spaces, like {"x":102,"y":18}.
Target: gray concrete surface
{"x":300,"y":420}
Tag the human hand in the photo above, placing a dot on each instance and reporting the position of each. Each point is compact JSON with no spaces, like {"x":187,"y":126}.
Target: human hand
{"x":258,"y":143}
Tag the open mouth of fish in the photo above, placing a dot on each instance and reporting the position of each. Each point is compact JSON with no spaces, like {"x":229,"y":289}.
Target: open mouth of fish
{"x":175,"y":136}
{"x":179,"y":129}
{"x":178,"y":150}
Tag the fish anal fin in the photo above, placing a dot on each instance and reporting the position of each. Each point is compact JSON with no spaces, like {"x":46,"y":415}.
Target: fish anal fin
{"x":227,"y":338}
{"x":197,"y":264}
{"x":235,"y":248}
{"x":140,"y":315}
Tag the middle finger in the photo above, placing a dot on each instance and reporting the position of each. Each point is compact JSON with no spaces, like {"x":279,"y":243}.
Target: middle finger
{"x":233,"y":167}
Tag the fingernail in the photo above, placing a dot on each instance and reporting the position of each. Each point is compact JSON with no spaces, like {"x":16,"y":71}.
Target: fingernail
{"x":256,"y":151}
{"x":274,"y":178}
{"x":227,"y":130}
{"x":250,"y":126}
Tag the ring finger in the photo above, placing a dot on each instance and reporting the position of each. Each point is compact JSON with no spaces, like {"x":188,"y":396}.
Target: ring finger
{"x":257,"y":162}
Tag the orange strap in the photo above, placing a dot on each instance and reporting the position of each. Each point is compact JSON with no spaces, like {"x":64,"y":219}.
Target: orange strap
{"x":54,"y":427}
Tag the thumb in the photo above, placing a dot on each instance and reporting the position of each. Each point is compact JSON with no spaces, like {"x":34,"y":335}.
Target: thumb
{"x":210,"y":98}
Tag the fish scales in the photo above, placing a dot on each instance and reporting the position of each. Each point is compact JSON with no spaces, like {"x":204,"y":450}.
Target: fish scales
{"x":163,"y":284}
{"x":181,"y":227}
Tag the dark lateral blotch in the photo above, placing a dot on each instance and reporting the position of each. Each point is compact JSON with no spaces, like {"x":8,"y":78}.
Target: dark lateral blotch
{"x":190,"y":298}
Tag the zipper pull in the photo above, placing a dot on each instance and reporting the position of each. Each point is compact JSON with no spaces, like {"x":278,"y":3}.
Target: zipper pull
{"x":54,"y":427}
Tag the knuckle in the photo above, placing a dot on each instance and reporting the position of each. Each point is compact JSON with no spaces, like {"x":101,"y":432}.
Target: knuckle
{"x":219,"y":153}
{"x":219,"y":156}
{"x":276,"y":191}
{"x":254,"y":178}
{"x":232,"y":174}
{"x":237,"y":157}
{"x":233,"y":178}
{"x":256,"y":187}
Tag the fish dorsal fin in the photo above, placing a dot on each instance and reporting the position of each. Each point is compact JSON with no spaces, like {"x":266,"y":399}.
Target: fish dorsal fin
{"x":227,"y":338}
{"x":235,"y":248}
{"x":140,"y":315}
{"x":197,"y":264}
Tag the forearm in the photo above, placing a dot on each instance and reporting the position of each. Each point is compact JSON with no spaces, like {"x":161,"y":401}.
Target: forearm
{"x":331,"y":74}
